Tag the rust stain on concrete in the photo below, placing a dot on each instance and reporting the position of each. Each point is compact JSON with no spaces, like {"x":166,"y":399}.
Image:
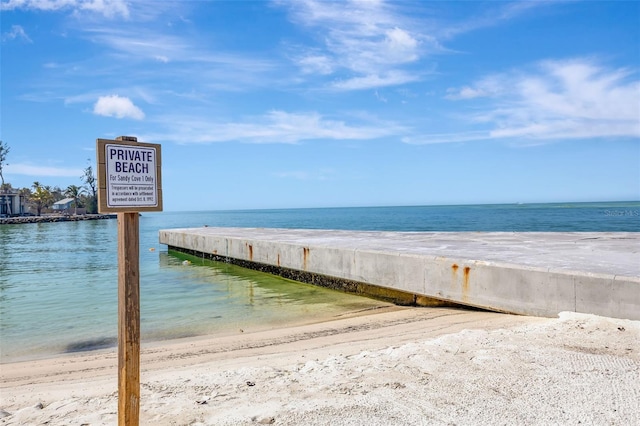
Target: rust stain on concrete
{"x":305,"y":256}
{"x":454,"y":275}
{"x":465,"y":283}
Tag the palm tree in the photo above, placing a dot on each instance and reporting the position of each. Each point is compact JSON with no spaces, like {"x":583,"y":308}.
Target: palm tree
{"x":74,"y":191}
{"x":41,"y":196}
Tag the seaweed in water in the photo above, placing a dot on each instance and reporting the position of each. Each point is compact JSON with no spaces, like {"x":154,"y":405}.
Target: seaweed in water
{"x":91,"y":344}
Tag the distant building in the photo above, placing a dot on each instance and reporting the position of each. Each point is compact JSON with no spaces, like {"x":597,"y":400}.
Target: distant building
{"x":11,"y":203}
{"x":67,"y":206}
{"x":64,"y":204}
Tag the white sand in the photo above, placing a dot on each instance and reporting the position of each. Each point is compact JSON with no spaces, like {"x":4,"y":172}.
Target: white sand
{"x":397,"y":366}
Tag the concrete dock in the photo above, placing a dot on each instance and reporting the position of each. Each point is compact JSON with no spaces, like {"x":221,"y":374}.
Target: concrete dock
{"x":533,"y":273}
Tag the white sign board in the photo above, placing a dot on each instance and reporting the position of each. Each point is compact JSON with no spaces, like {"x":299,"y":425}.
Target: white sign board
{"x":131,"y":176}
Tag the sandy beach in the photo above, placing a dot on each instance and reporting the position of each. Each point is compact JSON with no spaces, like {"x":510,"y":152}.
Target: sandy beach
{"x":388,"y":366}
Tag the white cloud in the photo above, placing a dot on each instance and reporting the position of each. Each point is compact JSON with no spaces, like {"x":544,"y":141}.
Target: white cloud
{"x":570,"y":99}
{"x":400,"y":46}
{"x":465,"y":92}
{"x":273,"y":127}
{"x":372,"y":81}
{"x":118,"y":107}
{"x":368,"y":39}
{"x":31,"y":170}
{"x":315,"y":64}
{"x":17,"y":32}
{"x":490,"y":86}
{"x":107,"y":8}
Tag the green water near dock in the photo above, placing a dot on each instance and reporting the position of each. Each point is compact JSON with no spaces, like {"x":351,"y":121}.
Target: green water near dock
{"x":58,"y":292}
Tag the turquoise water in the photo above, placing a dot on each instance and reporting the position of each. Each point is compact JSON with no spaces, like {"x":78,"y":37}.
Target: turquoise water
{"x":556,"y":217}
{"x":58,"y":291}
{"x":58,"y":281}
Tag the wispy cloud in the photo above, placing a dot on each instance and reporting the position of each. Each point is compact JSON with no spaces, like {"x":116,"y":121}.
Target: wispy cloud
{"x":273,"y":127}
{"x":315,"y":63}
{"x":569,"y":99}
{"x":107,"y":8}
{"x":494,"y":14}
{"x":141,"y":44}
{"x":16,"y":32}
{"x":367,"y":39}
{"x":392,"y":78}
{"x":488,"y":86}
{"x":36,"y":170}
{"x":373,"y":44}
{"x":183,"y":58}
{"x":118,"y":107}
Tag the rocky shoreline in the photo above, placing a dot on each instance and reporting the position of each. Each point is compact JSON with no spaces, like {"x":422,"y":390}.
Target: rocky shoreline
{"x":54,"y":218}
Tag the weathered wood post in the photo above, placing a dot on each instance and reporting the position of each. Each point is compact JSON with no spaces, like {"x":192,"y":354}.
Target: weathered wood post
{"x":129,"y":181}
{"x":128,"y":319}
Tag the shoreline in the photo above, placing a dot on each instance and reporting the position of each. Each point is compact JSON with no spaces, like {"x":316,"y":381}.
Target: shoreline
{"x":54,"y":218}
{"x":105,"y":345}
{"x":393,"y":365}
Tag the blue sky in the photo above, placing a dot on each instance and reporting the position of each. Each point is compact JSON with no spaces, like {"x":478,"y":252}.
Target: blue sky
{"x":282,"y":104}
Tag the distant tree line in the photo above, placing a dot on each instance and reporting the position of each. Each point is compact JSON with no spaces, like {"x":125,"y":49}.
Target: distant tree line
{"x":40,"y":198}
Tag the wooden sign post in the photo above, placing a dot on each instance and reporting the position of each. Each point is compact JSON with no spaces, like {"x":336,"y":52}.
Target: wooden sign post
{"x":128,"y":320}
{"x":129,"y":181}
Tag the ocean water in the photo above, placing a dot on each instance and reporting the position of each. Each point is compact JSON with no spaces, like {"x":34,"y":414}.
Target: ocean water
{"x":58,"y":281}
{"x":556,"y":217}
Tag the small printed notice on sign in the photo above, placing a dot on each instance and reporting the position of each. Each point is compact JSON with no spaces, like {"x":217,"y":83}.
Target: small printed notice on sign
{"x":128,"y":176}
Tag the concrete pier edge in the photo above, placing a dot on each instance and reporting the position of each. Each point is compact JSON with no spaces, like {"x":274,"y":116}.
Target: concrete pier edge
{"x":397,"y":297}
{"x":538,"y":274}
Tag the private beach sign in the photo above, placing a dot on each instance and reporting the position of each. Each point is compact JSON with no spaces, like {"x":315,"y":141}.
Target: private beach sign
{"x":128,"y":183}
{"x":129,"y":176}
